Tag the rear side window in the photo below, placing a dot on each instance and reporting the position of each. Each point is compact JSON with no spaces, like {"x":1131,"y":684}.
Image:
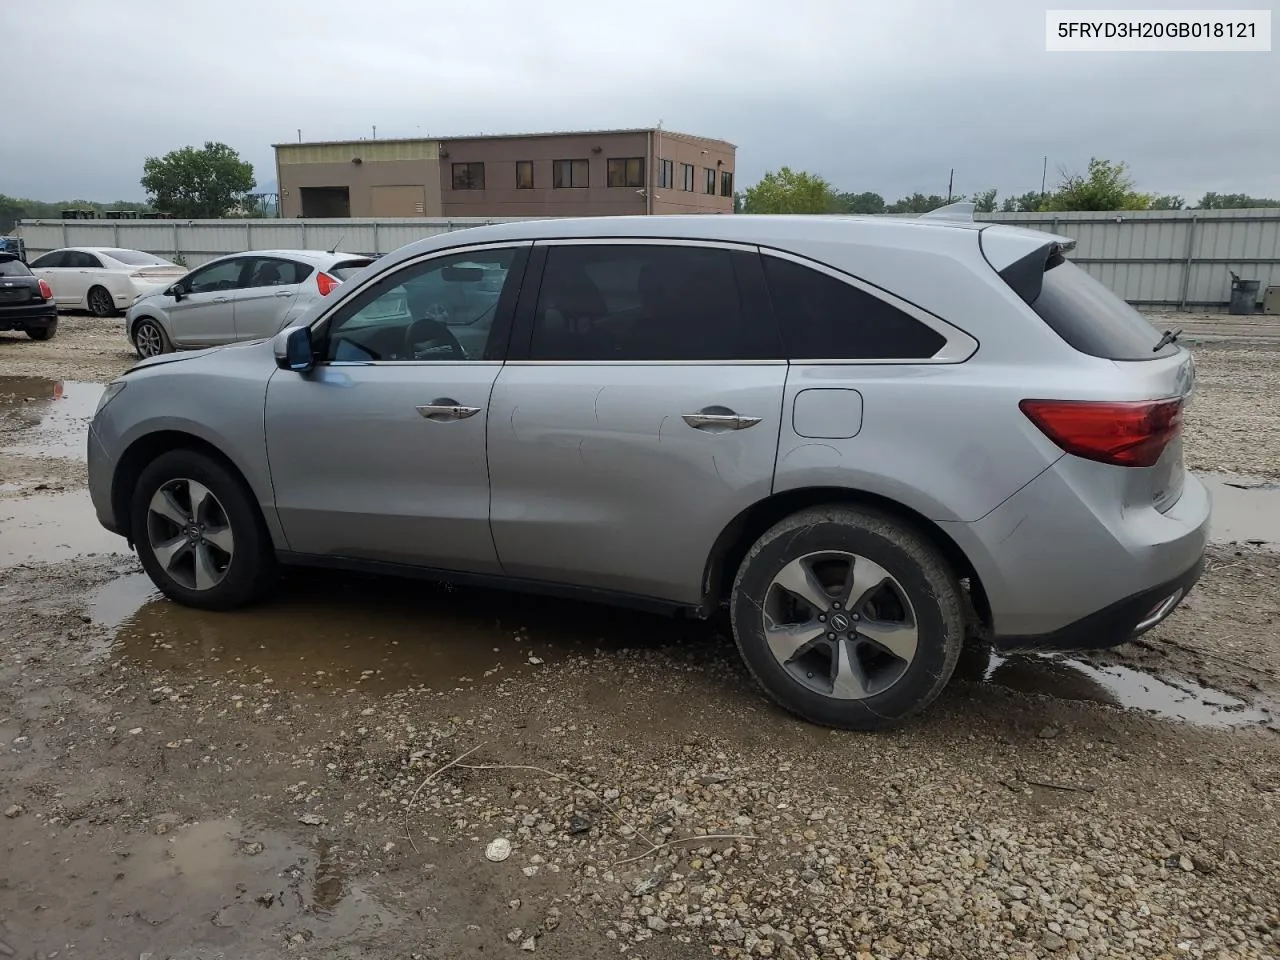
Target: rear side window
{"x":1091,"y":318}
{"x":647,"y":302}
{"x":823,"y":318}
{"x":13,"y":268}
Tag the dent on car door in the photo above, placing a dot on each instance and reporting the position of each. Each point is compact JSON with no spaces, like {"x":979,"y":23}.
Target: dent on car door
{"x":641,"y":416}
{"x":270,"y":287}
{"x":401,"y":398}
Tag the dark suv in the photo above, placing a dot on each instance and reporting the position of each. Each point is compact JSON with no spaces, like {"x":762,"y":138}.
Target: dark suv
{"x":26,"y":303}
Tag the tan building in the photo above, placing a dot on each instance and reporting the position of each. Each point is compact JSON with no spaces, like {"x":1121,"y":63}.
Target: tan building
{"x":608,"y":172}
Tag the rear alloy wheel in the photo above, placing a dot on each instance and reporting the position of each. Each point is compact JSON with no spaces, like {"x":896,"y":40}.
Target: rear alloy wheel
{"x":198,"y":533}
{"x":149,"y":339}
{"x":848,"y":617}
{"x":100,"y":302}
{"x":43,"y":333}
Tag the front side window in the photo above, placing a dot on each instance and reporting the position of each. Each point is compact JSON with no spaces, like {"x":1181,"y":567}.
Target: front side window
{"x":824,"y":318}
{"x":626,"y":172}
{"x":439,"y":309}
{"x":55,"y":259}
{"x":217,"y":277}
{"x":569,"y":173}
{"x":468,"y":176}
{"x":644,"y":302}
{"x":524,"y":174}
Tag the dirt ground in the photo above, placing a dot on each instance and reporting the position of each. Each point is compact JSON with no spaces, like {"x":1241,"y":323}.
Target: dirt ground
{"x":320,"y":777}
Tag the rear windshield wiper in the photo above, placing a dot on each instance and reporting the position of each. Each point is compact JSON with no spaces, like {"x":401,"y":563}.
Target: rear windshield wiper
{"x":1169,"y":337}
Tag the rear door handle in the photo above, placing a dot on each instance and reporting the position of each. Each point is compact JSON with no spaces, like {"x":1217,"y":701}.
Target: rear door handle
{"x":719,"y":421}
{"x":445,"y":409}
{"x":221,"y":299}
{"x":284,"y":293}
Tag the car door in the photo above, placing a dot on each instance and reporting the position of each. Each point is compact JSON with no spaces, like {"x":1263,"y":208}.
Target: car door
{"x":204,"y":313}
{"x":637,"y":415}
{"x":52,"y":268}
{"x":270,"y":289}
{"x":378,"y":452}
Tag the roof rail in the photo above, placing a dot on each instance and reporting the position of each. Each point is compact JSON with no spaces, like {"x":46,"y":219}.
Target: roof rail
{"x":960,"y":212}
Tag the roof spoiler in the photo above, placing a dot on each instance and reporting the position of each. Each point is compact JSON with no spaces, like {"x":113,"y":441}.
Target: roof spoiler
{"x":1025,"y":276}
{"x":959,"y":212}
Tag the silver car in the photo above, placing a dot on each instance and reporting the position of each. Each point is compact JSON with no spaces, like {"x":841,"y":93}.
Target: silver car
{"x":244,"y":296}
{"x":868,"y":438}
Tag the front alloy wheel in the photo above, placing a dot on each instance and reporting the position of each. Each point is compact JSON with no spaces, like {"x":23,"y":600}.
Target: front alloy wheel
{"x":189,"y":534}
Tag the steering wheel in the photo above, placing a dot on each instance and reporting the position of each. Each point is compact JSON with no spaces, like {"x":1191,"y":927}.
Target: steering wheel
{"x":429,"y":328}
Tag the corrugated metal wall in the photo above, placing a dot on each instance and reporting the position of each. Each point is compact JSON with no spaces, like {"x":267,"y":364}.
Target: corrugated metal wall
{"x":1169,"y":258}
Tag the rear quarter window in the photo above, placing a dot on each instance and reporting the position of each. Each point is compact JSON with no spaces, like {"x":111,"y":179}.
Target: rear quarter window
{"x":1092,"y":319}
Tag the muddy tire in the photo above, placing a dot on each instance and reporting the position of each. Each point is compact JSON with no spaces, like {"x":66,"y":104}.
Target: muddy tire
{"x":100,"y":302}
{"x":199,"y":534}
{"x":43,"y":333}
{"x":848,"y":617}
{"x":149,"y":339}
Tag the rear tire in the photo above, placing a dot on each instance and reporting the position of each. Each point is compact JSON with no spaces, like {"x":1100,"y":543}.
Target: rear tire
{"x":149,"y":339}
{"x":199,"y":534}
{"x":880,"y":633}
{"x":43,"y":333}
{"x":100,"y":302}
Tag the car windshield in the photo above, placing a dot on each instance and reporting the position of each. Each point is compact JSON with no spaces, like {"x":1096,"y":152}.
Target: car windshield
{"x":136,"y":258}
{"x":13,"y":268}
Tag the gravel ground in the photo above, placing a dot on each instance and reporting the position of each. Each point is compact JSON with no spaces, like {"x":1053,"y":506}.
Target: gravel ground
{"x":321,"y":778}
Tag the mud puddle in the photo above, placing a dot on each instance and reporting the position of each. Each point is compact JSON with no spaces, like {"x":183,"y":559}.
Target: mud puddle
{"x":1066,"y":678}
{"x":50,"y":416}
{"x":214,"y":884}
{"x":52,"y":528}
{"x":332,"y":631}
{"x":1244,"y":510}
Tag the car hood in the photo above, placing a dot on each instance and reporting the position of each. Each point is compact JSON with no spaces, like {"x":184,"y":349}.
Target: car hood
{"x":183,"y":355}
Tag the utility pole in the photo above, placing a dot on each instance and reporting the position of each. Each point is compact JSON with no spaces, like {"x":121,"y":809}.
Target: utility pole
{"x":299,"y":134}
{"x":375,"y":131}
{"x":1044,"y":170}
{"x":951,"y":183}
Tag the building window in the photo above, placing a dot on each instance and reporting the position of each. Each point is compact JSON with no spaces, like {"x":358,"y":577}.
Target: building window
{"x":726,"y":183}
{"x":709,"y":181}
{"x":468,"y":176}
{"x":569,"y":173}
{"x":626,"y":172}
{"x":686,"y":173}
{"x":524,"y":174}
{"x":666,"y":173}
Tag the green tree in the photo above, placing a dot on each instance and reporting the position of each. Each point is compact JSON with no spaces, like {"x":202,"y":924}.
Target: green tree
{"x":917,"y":203}
{"x":984,"y":202}
{"x":198,"y":183}
{"x":789,"y":191}
{"x":1107,"y":186}
{"x":1234,"y":201}
{"x":13,"y":209}
{"x":1167,"y":201}
{"x":859,"y":203}
{"x":1029,"y":202}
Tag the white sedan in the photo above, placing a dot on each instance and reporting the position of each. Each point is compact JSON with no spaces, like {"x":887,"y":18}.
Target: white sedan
{"x":103,"y":280}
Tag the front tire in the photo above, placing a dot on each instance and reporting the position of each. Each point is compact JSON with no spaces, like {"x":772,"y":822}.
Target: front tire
{"x":848,"y":617}
{"x":43,"y":333}
{"x":100,"y":302}
{"x":149,"y":339}
{"x":199,"y":534}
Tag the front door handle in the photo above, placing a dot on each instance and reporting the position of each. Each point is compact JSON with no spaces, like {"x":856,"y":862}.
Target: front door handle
{"x":284,"y":293}
{"x":445,"y":409}
{"x":221,"y":299}
{"x":728,"y":420}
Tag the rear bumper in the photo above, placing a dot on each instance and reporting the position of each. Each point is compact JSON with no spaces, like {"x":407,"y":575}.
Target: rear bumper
{"x":35,"y":317}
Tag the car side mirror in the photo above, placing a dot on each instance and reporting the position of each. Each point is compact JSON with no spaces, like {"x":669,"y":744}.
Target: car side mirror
{"x":177,"y":291}
{"x":293,"y":349}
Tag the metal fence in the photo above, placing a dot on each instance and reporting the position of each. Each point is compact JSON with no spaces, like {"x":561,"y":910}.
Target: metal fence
{"x":1158,"y":258}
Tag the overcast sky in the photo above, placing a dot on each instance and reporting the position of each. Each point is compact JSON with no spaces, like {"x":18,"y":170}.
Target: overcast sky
{"x":885,"y":97}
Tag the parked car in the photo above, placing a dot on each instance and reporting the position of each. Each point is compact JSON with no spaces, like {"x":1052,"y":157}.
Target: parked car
{"x":103,"y":280}
{"x":243,"y":296}
{"x":866,"y":437}
{"x":26,"y":301}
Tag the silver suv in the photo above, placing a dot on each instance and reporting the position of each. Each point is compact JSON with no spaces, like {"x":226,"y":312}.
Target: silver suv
{"x":869,"y":438}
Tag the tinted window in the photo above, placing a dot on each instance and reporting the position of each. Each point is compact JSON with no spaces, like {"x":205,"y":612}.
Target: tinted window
{"x":274,"y":272}
{"x":347,"y":269}
{"x":823,"y":318}
{"x":645,"y":302}
{"x":82,"y":260}
{"x":218,"y":277}
{"x":136,"y":258}
{"x":13,"y":268}
{"x":48,"y":260}
{"x":441,"y":309}
{"x":1092,"y":319}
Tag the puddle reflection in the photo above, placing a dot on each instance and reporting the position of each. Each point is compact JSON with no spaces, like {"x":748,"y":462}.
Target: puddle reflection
{"x":52,"y":415}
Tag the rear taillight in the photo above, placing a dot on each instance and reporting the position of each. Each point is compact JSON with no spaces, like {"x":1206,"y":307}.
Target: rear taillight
{"x":326,"y":284}
{"x":1126,"y":434}
{"x":46,"y":291}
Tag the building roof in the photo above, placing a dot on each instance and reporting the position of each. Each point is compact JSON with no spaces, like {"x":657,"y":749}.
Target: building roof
{"x":510,"y":136}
